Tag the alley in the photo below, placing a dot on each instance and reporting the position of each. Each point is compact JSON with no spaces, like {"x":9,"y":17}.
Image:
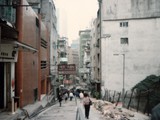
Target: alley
{"x":67,"y":112}
{"x":51,"y":47}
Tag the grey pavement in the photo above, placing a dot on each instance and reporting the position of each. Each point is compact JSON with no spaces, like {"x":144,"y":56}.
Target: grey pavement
{"x":8,"y":116}
{"x":68,"y":111}
{"x":31,"y":109}
{"x":94,"y":114}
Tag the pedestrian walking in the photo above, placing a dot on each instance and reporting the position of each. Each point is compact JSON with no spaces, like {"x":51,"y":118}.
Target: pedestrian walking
{"x":86,"y":104}
{"x":70,"y":95}
{"x":66,"y":96}
{"x":60,"y":96}
{"x":81,"y":96}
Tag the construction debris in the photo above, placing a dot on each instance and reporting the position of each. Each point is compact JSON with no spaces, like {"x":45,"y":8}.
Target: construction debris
{"x":113,"y":112}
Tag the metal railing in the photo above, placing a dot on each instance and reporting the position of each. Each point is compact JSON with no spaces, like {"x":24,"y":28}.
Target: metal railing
{"x":141,"y":101}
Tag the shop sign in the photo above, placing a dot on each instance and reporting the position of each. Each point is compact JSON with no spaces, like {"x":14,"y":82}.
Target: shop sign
{"x":65,"y":69}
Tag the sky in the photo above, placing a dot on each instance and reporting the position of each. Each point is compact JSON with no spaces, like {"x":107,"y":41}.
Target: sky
{"x":75,"y":15}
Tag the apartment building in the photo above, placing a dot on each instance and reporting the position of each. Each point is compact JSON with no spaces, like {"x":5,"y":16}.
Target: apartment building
{"x":130,"y":52}
{"x":47,"y":10}
{"x":84,"y":58}
{"x":24,"y":55}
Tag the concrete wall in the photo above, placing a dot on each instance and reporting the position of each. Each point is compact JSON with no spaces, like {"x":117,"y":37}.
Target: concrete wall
{"x":93,"y":50}
{"x":124,"y":9}
{"x":142,"y":52}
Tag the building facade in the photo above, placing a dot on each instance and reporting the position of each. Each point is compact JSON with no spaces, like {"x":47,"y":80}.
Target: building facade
{"x":95,"y":58}
{"x":84,"y":57}
{"x":131,"y":51}
{"x":8,"y":56}
{"x":75,"y":53}
{"x":48,"y":12}
{"x":62,"y":56}
{"x":34,"y":71}
{"x":24,"y":55}
{"x":62,"y":50}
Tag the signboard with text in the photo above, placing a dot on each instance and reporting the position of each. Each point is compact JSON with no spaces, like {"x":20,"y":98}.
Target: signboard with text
{"x":67,"y":69}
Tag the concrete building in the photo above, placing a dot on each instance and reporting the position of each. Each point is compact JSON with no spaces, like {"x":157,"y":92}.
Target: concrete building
{"x":75,"y":44}
{"x":47,"y":10}
{"x":49,"y":17}
{"x":84,"y":58}
{"x":62,"y":50}
{"x":69,"y":55}
{"x":73,"y":57}
{"x":96,"y":66}
{"x":8,"y":57}
{"x":75,"y":53}
{"x":24,"y":55}
{"x":19,"y":57}
{"x":130,"y":51}
{"x":34,"y":71}
{"x":62,"y":58}
{"x":95,"y":56}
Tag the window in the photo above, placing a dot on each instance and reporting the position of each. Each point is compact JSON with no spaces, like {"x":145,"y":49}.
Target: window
{"x":43,"y":43}
{"x":123,"y":24}
{"x":37,"y":22}
{"x":124,"y":40}
{"x":43,"y":64}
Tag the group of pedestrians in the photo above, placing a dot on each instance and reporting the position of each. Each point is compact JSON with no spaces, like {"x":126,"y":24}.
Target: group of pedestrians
{"x":84,"y":99}
{"x":65,"y":96}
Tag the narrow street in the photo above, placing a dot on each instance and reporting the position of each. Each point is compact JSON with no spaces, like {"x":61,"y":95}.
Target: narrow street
{"x":53,"y":49}
{"x":70,"y":110}
{"x":67,"y":111}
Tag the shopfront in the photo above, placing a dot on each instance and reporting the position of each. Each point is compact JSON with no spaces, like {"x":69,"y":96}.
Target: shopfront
{"x":9,"y":48}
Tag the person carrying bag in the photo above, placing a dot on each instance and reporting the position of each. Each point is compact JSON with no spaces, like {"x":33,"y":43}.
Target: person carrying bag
{"x":87,"y":103}
{"x":90,"y":102}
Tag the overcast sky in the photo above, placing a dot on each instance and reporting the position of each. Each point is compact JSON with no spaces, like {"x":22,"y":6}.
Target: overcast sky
{"x":75,"y":15}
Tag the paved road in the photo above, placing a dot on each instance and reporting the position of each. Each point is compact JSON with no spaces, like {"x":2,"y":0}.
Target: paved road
{"x":67,"y":112}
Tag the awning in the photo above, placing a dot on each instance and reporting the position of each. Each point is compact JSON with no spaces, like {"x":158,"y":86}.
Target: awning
{"x":20,"y":46}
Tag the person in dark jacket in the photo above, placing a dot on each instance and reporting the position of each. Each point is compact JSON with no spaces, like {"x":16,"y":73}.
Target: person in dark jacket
{"x":86,"y":103}
{"x":60,"y":96}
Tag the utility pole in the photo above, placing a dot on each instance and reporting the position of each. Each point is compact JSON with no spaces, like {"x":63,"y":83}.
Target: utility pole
{"x":123,"y":82}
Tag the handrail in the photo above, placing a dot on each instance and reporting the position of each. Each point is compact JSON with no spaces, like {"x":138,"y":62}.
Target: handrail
{"x":26,"y":114}
{"x":79,"y":114}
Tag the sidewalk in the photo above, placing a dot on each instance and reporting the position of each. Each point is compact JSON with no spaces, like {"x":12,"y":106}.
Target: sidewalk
{"x":8,"y":116}
{"x":68,"y":111}
{"x":31,"y":109}
{"x":94,"y":114}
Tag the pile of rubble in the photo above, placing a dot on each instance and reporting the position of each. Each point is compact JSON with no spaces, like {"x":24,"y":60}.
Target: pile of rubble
{"x":116,"y":112}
